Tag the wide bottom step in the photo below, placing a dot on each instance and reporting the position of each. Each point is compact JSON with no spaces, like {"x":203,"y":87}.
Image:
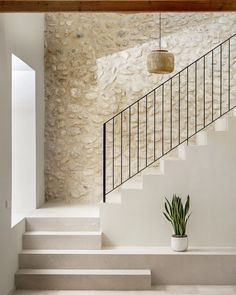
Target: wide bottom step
{"x":83,"y":279}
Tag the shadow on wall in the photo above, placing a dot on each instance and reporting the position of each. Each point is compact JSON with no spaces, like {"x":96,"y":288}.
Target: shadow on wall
{"x":89,"y":79}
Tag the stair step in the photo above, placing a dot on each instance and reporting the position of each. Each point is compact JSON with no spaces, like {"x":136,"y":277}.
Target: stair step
{"x":209,"y":263}
{"x":62,"y":224}
{"x":62,"y":240}
{"x":201,"y":138}
{"x":133,"y":184}
{"x":232,"y":122}
{"x":113,"y":197}
{"x":234,"y":112}
{"x":221,"y":124}
{"x":182,"y":151}
{"x":83,"y":279}
{"x":173,"y":158}
{"x":152,"y":171}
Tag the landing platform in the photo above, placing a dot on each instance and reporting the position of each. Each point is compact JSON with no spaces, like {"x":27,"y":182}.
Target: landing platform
{"x":58,"y":208}
{"x":63,"y":209}
{"x":202,"y":266}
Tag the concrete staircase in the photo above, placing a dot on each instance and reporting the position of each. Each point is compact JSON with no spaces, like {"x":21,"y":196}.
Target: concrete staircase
{"x":75,"y":253}
{"x":204,"y":169}
{"x":45,"y":235}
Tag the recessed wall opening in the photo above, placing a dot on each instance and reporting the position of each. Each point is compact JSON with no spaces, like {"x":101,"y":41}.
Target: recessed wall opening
{"x":23,"y":139}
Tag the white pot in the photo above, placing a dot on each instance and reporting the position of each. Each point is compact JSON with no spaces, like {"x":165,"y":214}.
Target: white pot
{"x":179,"y":243}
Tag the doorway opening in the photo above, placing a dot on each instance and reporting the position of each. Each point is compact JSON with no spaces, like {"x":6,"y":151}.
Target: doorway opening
{"x":23,"y":139}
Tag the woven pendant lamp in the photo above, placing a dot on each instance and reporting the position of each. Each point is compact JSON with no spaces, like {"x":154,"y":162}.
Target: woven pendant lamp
{"x":160,"y":61}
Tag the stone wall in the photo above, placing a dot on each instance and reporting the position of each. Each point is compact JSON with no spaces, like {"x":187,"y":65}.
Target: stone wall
{"x":95,"y":66}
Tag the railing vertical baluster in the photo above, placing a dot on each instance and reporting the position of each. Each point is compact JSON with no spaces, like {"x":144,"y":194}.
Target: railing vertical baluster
{"x":162,"y":119}
{"x":170,"y":113}
{"x":154,"y":138}
{"x":204,"y":91}
{"x":179,"y":109}
{"x":221,"y":80}
{"x":146,"y":130}
{"x":212,"y":85}
{"x":138,"y":138}
{"x":195,"y":96}
{"x":229,"y":75}
{"x":193,"y":107}
{"x":187,"y":107}
{"x":129,"y":141}
{"x":104,"y":163}
{"x":121,"y":146}
{"x":113,"y":153}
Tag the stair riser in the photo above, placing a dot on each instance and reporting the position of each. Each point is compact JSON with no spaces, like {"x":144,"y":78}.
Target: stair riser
{"x":72,"y":242}
{"x":201,"y":138}
{"x":199,"y":269}
{"x":234,"y":112}
{"x":169,"y":165}
{"x":232,"y":122}
{"x":82,"y":282}
{"x":62,"y":224}
{"x":221,"y":124}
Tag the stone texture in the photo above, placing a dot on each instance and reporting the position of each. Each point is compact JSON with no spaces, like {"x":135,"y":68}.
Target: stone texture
{"x":96,"y":66}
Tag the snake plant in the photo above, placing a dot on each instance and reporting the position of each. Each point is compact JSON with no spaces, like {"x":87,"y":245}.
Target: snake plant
{"x":177,"y":214}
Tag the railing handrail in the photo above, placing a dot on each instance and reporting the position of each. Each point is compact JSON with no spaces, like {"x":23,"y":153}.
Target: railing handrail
{"x":166,"y":81}
{"x":180,"y":141}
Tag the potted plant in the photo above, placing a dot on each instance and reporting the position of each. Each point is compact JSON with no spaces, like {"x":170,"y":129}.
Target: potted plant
{"x":177,"y":214}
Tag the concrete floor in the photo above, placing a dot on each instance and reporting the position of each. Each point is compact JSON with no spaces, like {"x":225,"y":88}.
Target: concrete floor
{"x":164,"y":290}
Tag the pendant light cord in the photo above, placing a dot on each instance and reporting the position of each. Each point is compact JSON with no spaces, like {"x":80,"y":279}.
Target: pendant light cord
{"x":159,"y":30}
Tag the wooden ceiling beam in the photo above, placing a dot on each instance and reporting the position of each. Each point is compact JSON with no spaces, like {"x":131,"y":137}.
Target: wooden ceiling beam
{"x":117,"y":5}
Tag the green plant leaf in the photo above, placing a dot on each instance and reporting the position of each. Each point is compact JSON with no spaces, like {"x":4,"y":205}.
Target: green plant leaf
{"x":167,"y":217}
{"x":170,"y":207}
{"x":167,"y":210}
{"x":186,"y":208}
{"x":187,"y":218}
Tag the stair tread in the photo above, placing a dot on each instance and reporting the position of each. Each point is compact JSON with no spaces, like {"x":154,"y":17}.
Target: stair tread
{"x":54,"y":215}
{"x":135,"y":272}
{"x":172,"y":158}
{"x":63,"y":233}
{"x":139,"y":250}
{"x":153,"y":171}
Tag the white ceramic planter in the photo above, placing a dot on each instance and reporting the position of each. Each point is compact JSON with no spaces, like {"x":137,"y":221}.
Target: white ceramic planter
{"x":179,"y":243}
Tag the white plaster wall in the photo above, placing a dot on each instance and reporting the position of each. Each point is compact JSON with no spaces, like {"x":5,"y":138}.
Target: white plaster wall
{"x":23,"y":35}
{"x":26,"y":33}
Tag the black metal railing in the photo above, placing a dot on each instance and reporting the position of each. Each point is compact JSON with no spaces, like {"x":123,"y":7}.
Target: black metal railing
{"x":168,"y":116}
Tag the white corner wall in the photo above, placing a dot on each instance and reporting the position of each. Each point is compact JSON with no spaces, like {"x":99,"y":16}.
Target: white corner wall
{"x":22,"y":35}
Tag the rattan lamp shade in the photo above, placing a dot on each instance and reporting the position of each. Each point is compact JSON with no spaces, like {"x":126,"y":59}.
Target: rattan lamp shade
{"x":160,"y":62}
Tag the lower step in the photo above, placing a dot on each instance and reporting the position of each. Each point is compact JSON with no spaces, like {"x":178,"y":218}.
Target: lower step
{"x":83,"y":279}
{"x":62,"y":240}
{"x":62,"y":224}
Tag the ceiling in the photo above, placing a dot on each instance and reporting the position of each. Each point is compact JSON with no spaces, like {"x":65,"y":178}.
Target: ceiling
{"x":116,"y":5}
